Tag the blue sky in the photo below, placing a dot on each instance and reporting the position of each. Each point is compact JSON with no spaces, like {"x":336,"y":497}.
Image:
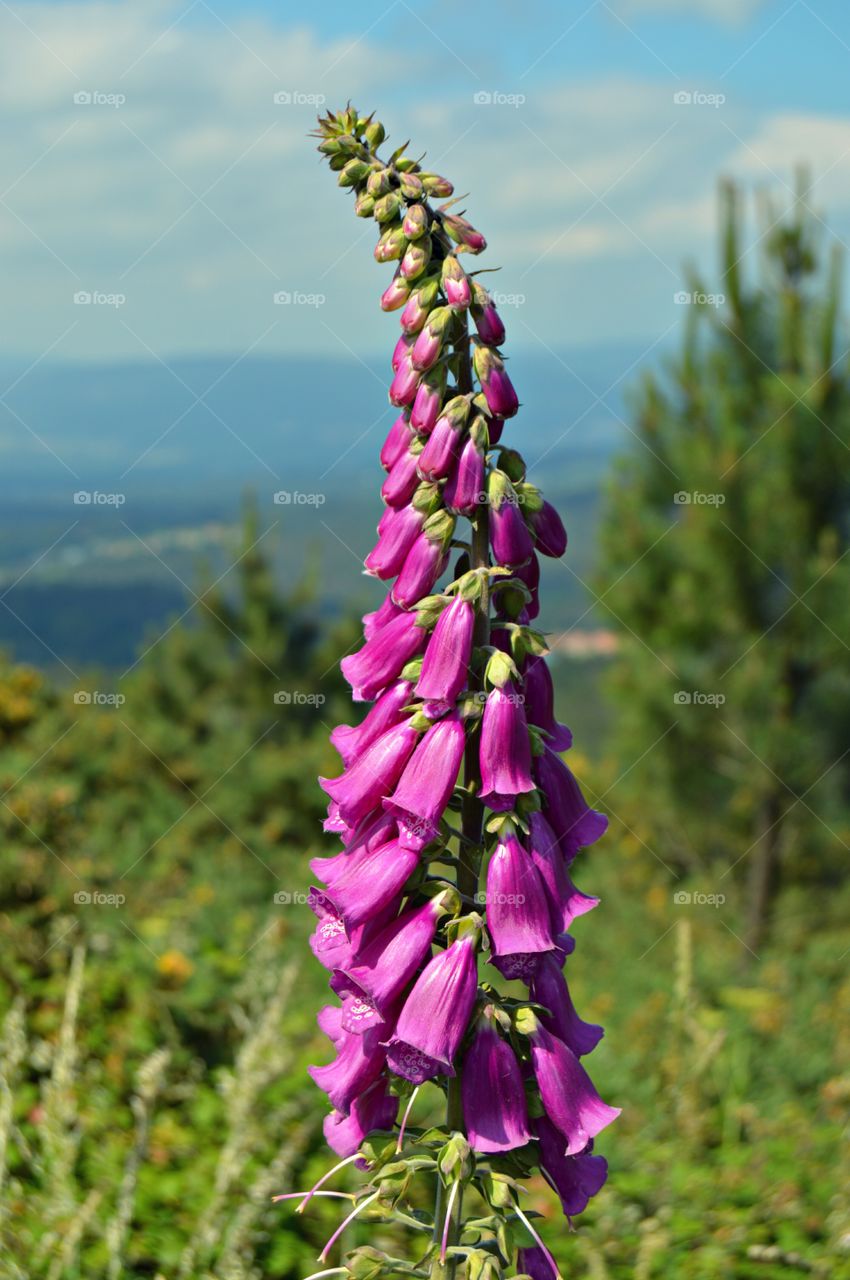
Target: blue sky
{"x":147,"y":164}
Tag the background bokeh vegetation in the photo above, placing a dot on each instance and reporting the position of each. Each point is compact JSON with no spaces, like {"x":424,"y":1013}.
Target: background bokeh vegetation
{"x":154,"y":1093}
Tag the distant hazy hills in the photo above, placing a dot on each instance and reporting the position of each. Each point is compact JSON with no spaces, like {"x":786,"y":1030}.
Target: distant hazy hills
{"x":163,"y":456}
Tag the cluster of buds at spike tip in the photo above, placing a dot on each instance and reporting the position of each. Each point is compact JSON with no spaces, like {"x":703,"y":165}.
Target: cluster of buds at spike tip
{"x":457,"y":816}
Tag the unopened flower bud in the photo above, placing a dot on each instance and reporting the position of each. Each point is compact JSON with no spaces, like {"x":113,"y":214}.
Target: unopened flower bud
{"x":378,"y":183}
{"x":411,"y":185}
{"x":402,"y":349}
{"x":404,"y":384}
{"x":429,"y":343}
{"x":419,"y":307}
{"x":463,"y":233}
{"x":456,"y":284}
{"x":429,"y":397}
{"x":364,"y":205}
{"x":354,"y":173}
{"x":416,"y":258}
{"x":396,"y":294}
{"x":387,"y":207}
{"x":435,"y":185}
{"x":497,"y":387}
{"x":415,"y":221}
{"x":375,"y":134}
{"x":391,"y":245}
{"x":486,"y":317}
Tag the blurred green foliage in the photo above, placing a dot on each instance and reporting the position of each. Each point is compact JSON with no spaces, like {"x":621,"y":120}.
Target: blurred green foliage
{"x":727,"y":575}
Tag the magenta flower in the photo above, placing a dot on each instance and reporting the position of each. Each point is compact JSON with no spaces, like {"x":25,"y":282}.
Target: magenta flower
{"x":575,"y":1178}
{"x":518,"y":918}
{"x":399,"y":439}
{"x":445,"y":667}
{"x":351,"y":740}
{"x":570,"y":816}
{"x":362,"y":787}
{"x":425,"y":786}
{"x":382,"y":657}
{"x":549,"y":532}
{"x":569,"y":1098}
{"x":435,"y":1015}
{"x":566,"y":902}
{"x":397,"y":537}
{"x":359,"y":1062}
{"x":505,"y":750}
{"x":540,"y":704}
{"x":385,"y":967}
{"x":437,"y":790}
{"x":493,"y":1093}
{"x":374,"y":1109}
{"x":465,"y":485}
{"x":549,"y":988}
{"x":423,"y":565}
{"x":495,"y":383}
{"x":400,"y":485}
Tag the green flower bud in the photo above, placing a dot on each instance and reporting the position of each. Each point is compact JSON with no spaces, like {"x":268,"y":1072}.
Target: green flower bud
{"x":378,"y":183}
{"x":435,"y":185}
{"x":391,"y":245}
{"x":411,"y":186}
{"x":353,"y":173}
{"x":375,"y":134}
{"x":364,"y":205}
{"x":387,"y":207}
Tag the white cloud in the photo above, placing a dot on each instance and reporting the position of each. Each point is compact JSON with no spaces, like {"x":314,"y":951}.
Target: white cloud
{"x":728,"y":12}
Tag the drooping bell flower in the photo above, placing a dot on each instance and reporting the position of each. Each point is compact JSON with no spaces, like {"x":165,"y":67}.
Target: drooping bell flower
{"x":465,"y":485}
{"x":529,"y":573}
{"x":330,"y":943}
{"x":399,"y":438}
{"x":492,"y":1092}
{"x":367,"y":889}
{"x":435,"y":1015}
{"x":374,"y":1110}
{"x":374,"y":622}
{"x":329,"y":1021}
{"x":505,"y":749}
{"x":540,"y":703}
{"x":350,"y":740}
{"x":456,"y":284}
{"x":425,"y":560}
{"x":518,"y":918}
{"x":576,"y":1179}
{"x":570,"y":816}
{"x":424,"y":789}
{"x":420,"y":305}
{"x":374,"y":831}
{"x":566,"y":1090}
{"x":400,"y":485}
{"x":396,"y":294}
{"x":486,"y":317}
{"x":549,"y":988}
{"x":566,"y":902}
{"x":429,"y":397}
{"x":497,"y":387}
{"x":445,"y":666}
{"x":549,"y":532}
{"x":403,"y":386}
{"x":536,"y":1262}
{"x":382,"y":657}
{"x":388,"y":555}
{"x":390,"y":962}
{"x":362,"y":787}
{"x":437,"y":459}
{"x":509,"y":536}
{"x":428,"y":345}
{"x":463,"y":232}
{"x":359,"y":1062}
